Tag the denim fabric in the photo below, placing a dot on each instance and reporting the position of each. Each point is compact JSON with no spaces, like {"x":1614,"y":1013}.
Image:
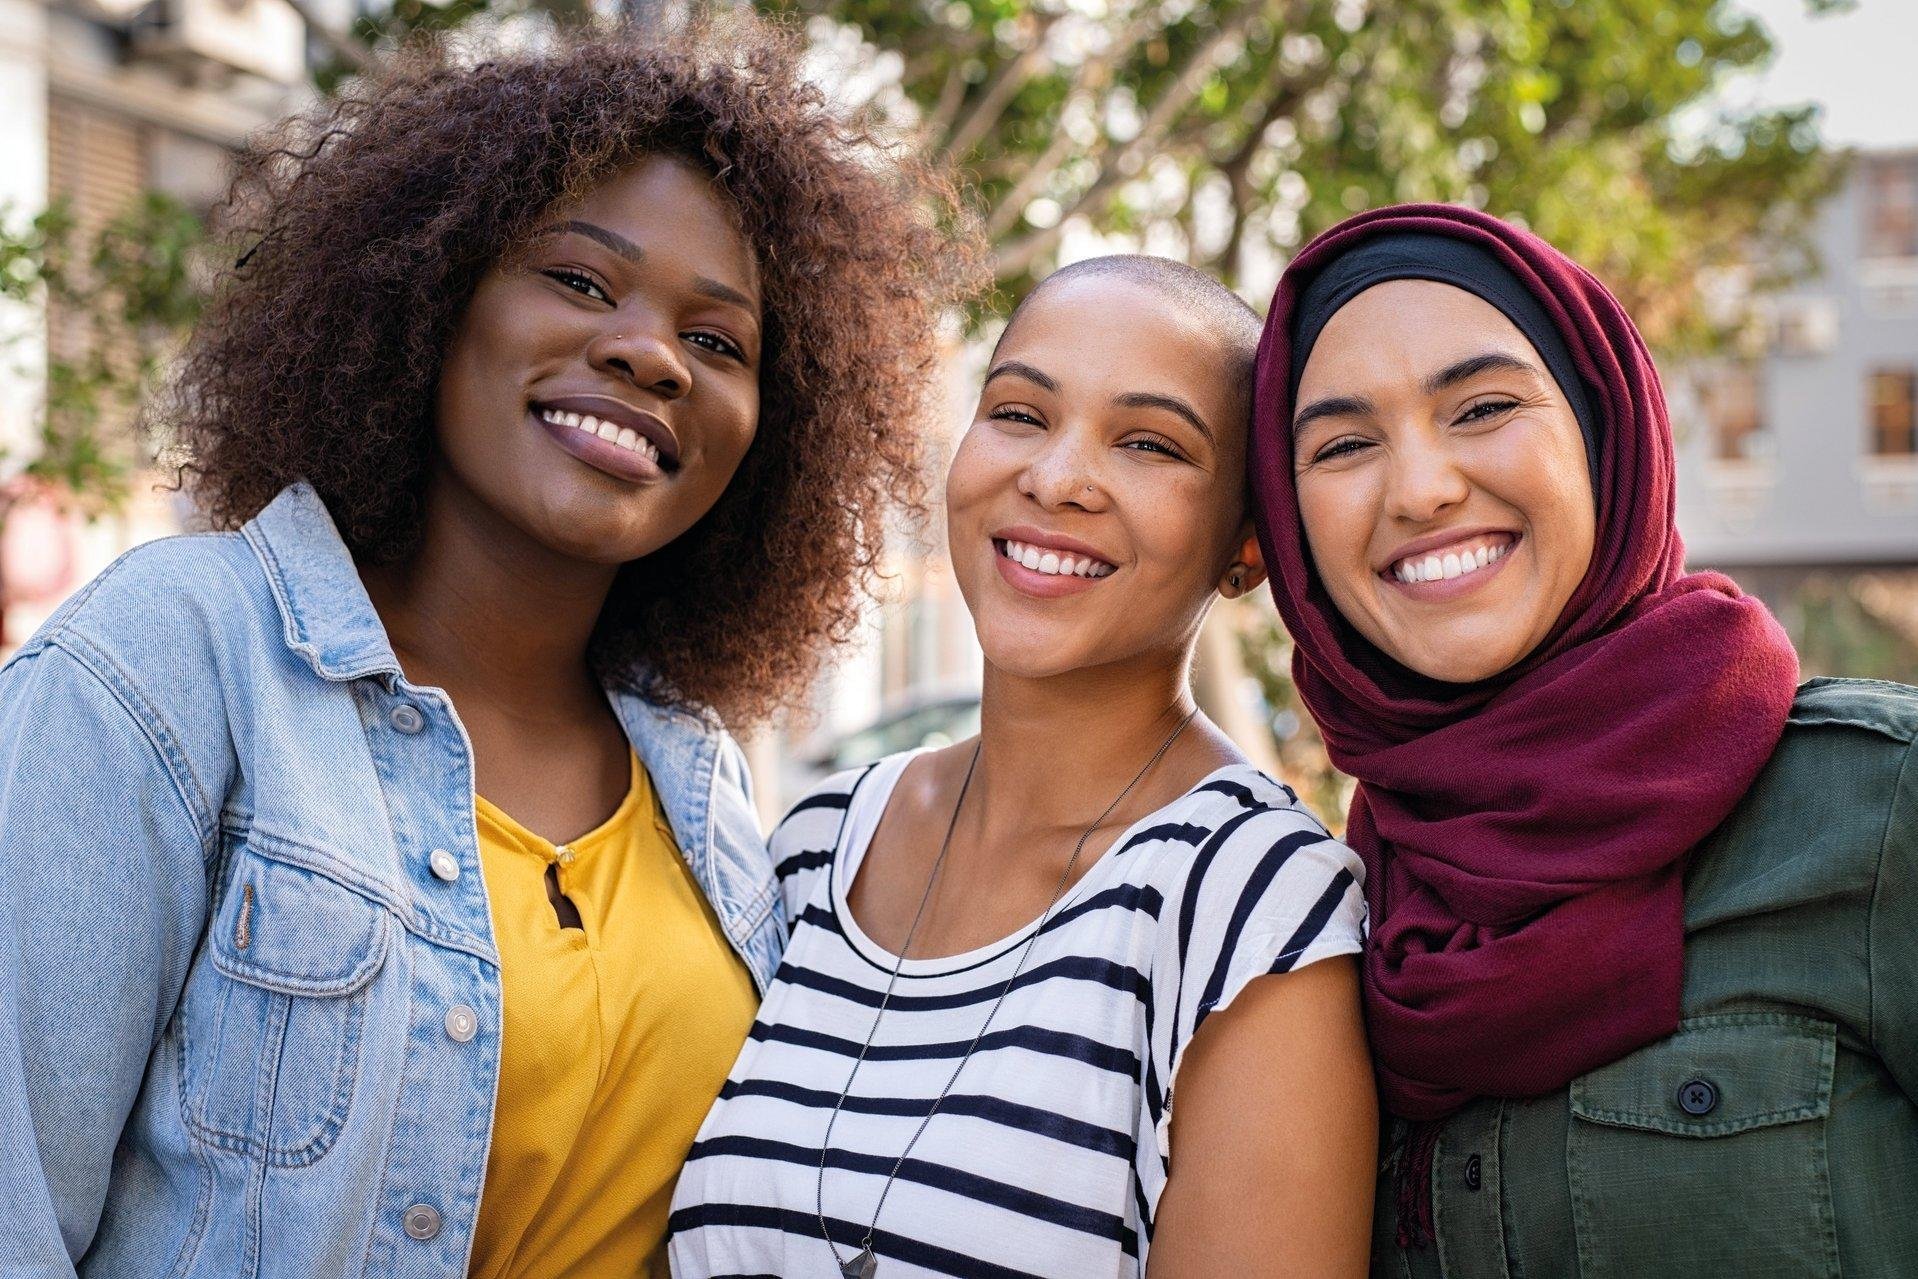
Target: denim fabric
{"x":229,"y":1044}
{"x":1775,"y":1134}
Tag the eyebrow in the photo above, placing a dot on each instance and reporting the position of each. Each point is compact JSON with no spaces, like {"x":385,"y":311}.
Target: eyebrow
{"x":1450,"y":375}
{"x":1332,"y":406}
{"x":1014,"y":368}
{"x":631,"y":252}
{"x":1472,"y":366}
{"x":1170,"y":403}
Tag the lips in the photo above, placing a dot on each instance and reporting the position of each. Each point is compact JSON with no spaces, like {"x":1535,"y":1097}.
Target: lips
{"x":612,"y":420}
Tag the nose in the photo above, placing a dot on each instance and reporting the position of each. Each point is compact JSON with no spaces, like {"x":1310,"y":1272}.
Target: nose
{"x":644,"y":352}
{"x":1060,"y":473}
{"x":1425,"y":478}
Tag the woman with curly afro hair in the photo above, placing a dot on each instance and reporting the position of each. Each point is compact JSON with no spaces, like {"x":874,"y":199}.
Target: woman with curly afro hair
{"x":384,"y":895}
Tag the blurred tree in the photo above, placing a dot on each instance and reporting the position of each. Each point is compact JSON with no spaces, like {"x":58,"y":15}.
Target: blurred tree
{"x":124,"y":295}
{"x":1229,"y":132}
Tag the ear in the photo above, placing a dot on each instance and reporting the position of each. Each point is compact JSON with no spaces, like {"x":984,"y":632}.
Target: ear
{"x":1246,"y":572}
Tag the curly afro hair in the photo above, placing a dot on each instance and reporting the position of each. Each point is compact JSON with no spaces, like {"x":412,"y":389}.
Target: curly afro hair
{"x":373,"y":216}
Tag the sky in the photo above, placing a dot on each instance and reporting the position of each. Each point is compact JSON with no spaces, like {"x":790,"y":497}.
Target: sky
{"x":1861,"y":65}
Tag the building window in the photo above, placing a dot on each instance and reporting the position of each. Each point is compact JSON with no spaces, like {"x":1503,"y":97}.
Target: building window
{"x":1891,"y":207}
{"x":1894,"y":413}
{"x":1732,"y":408}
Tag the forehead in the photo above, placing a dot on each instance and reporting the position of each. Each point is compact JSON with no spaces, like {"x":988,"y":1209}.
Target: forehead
{"x":1407,"y":330}
{"x":1106,"y":331}
{"x":670,"y":208}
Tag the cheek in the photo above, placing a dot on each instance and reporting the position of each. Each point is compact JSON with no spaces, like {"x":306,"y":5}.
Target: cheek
{"x":1338,"y":514}
{"x":977,"y":470}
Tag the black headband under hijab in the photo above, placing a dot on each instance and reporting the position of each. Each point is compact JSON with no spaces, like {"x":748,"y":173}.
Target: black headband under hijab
{"x":1415,"y":255}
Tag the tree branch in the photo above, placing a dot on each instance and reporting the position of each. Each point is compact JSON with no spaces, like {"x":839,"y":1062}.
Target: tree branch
{"x":998,"y":93}
{"x":1017,"y":257}
{"x":952,"y":95}
{"x":1284,"y":100}
{"x":339,"y":43}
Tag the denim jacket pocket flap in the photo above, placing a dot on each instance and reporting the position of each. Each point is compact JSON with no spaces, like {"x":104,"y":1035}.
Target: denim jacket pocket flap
{"x":296,"y":931}
{"x":1717,"y":1075}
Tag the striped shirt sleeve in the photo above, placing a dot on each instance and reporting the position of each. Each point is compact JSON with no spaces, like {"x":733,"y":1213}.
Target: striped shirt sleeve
{"x":803,"y":842}
{"x":1269,"y":891}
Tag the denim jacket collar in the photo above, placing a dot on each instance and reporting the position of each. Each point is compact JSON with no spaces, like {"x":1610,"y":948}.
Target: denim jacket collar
{"x":329,"y":619}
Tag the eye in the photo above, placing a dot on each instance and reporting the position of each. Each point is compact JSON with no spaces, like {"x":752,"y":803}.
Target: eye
{"x":579,"y":283}
{"x":1344,"y":447}
{"x":1154,"y":444}
{"x":718,"y":343}
{"x":1487,"y":410}
{"x":1012,"y":413}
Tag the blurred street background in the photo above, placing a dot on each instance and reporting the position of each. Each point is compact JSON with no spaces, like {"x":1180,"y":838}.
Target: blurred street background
{"x":1744,"y":173}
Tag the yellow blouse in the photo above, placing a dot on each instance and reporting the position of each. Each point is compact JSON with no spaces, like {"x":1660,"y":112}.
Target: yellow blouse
{"x":618,"y":1036}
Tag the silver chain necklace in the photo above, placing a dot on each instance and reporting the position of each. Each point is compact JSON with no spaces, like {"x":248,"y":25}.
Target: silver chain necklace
{"x":866,"y":1263}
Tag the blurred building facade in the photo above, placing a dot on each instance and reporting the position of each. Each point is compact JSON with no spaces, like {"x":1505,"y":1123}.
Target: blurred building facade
{"x":1798,"y":459}
{"x":100,"y":101}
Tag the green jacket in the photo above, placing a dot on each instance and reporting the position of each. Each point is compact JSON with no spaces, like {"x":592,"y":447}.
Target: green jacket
{"x":1775,"y":1134}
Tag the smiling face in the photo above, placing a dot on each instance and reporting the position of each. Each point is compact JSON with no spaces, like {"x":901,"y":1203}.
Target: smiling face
{"x":603,"y":385}
{"x":1097,"y":501}
{"x":1442,"y":480}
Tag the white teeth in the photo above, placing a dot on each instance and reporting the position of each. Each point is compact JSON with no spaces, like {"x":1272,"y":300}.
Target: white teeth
{"x":625,"y":437}
{"x":1053,"y":563}
{"x":1435,"y":568}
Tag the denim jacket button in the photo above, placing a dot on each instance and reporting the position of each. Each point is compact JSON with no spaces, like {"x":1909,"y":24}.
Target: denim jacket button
{"x":445,"y":865}
{"x":1698,"y":1098}
{"x":421,"y":1221}
{"x":462,"y":1023}
{"x":406,"y":718}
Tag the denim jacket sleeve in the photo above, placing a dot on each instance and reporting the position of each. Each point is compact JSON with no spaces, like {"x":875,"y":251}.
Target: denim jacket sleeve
{"x":102,"y":901}
{"x":1894,"y":923}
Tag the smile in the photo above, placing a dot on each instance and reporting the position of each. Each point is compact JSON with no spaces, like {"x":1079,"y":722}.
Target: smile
{"x":1050,"y":562}
{"x":623,"y":437}
{"x":1460,"y":559}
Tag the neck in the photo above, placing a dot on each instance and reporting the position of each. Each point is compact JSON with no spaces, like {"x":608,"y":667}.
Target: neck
{"x":1049,"y":746}
{"x":481,"y":607}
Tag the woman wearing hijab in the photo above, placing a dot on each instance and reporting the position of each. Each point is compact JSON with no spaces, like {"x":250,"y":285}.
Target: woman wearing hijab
{"x":1641,"y":983}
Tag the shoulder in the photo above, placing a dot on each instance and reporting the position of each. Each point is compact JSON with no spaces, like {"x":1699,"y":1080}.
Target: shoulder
{"x":1240,"y":851}
{"x":1237,"y":813}
{"x":1841,"y":780}
{"x":1844,"y":753}
{"x":806,"y":835}
{"x":173,"y":599}
{"x":1876,"y":707}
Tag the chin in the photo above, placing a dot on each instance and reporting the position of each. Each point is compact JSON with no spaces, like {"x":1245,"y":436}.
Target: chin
{"x":1462,"y":658}
{"x":1026,"y":655}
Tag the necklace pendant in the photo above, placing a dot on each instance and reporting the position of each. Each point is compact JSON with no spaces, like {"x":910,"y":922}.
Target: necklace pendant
{"x":861,"y":1267}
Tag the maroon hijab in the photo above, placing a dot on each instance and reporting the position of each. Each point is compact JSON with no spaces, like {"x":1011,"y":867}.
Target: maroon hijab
{"x":1524,"y":837}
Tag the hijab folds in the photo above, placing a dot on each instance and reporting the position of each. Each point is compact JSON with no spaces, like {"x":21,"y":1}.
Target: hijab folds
{"x":1524,"y":837}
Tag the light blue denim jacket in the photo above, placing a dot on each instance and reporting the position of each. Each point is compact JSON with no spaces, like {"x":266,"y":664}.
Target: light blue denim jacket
{"x":247,"y":1028}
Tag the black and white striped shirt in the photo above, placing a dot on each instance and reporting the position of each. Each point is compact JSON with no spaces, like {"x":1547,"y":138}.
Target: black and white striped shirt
{"x":1049,"y":1156}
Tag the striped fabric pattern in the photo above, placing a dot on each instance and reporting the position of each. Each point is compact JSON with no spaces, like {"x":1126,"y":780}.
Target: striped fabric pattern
{"x":1049,"y":1156}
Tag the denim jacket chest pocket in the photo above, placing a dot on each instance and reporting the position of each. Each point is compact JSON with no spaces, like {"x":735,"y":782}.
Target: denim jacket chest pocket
{"x":272,"y":1016}
{"x":1704,"y":1154}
